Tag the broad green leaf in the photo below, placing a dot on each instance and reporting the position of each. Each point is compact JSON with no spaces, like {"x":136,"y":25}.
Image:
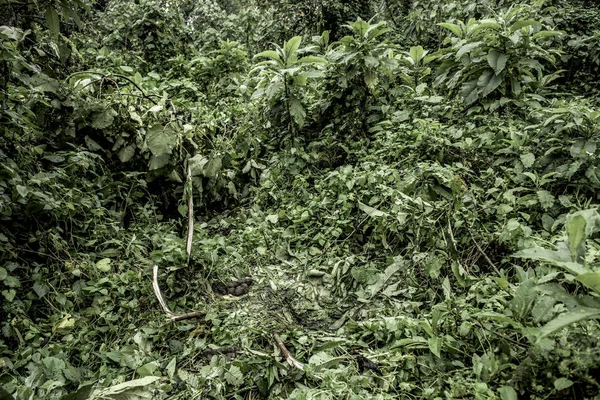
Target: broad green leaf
{"x":523,"y":299}
{"x":452,"y":28}
{"x":470,"y":92}
{"x":527,"y":159}
{"x":371,"y":212}
{"x":370,"y":78}
{"x":312,"y":59}
{"x":360,"y":27}
{"x":508,"y":393}
{"x":416,"y":53}
{"x":213,"y":167}
{"x":3,"y":273}
{"x":104,"y":119}
{"x":497,"y":61}
{"x":292,"y":45}
{"x":546,"y":199}
{"x":157,"y":162}
{"x":576,"y":236}
{"x":488,"y":82}
{"x":136,"y":389}
{"x":147,"y":369}
{"x":270,"y":54}
{"x":435,"y":344}
{"x":299,"y":80}
{"x":559,"y":258}
{"x":484,"y":24}
{"x":197,"y":164}
{"x":52,"y":20}
{"x":126,"y":153}
{"x":297,"y":111}
{"x":171,"y":367}
{"x":22,"y":190}
{"x":161,"y":140}
{"x":545,"y":34}
{"x":83,"y":393}
{"x":590,"y":280}
{"x":523,"y":23}
{"x":567,"y":319}
{"x":104,"y":265}
{"x":467,"y":48}
{"x":562,"y":384}
{"x":137,"y":78}
{"x":543,"y":309}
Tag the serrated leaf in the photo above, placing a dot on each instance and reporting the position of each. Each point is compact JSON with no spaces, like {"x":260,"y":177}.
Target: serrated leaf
{"x":234,"y":376}
{"x":497,"y":61}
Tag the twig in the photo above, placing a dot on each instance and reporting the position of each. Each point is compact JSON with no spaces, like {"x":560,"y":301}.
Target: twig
{"x":170,"y":314}
{"x":288,"y":357}
{"x":190,"y":234}
{"x":483,"y":252}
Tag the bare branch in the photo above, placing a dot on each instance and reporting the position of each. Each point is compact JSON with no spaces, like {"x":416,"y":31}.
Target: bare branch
{"x":288,"y":357}
{"x":170,"y":314}
{"x":190,"y":234}
{"x":483,"y":252}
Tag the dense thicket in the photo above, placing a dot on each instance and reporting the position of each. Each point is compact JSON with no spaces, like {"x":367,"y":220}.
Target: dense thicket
{"x":411,"y":185}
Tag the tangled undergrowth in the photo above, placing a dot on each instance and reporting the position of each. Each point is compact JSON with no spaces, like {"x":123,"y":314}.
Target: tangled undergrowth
{"x":408,"y":211}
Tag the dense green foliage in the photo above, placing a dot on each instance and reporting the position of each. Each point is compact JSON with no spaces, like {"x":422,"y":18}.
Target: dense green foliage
{"x":412,"y":185}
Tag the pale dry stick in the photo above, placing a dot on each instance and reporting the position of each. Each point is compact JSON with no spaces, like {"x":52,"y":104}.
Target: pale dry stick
{"x":288,"y":357}
{"x":170,"y":314}
{"x":483,"y":252}
{"x":188,"y":245}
